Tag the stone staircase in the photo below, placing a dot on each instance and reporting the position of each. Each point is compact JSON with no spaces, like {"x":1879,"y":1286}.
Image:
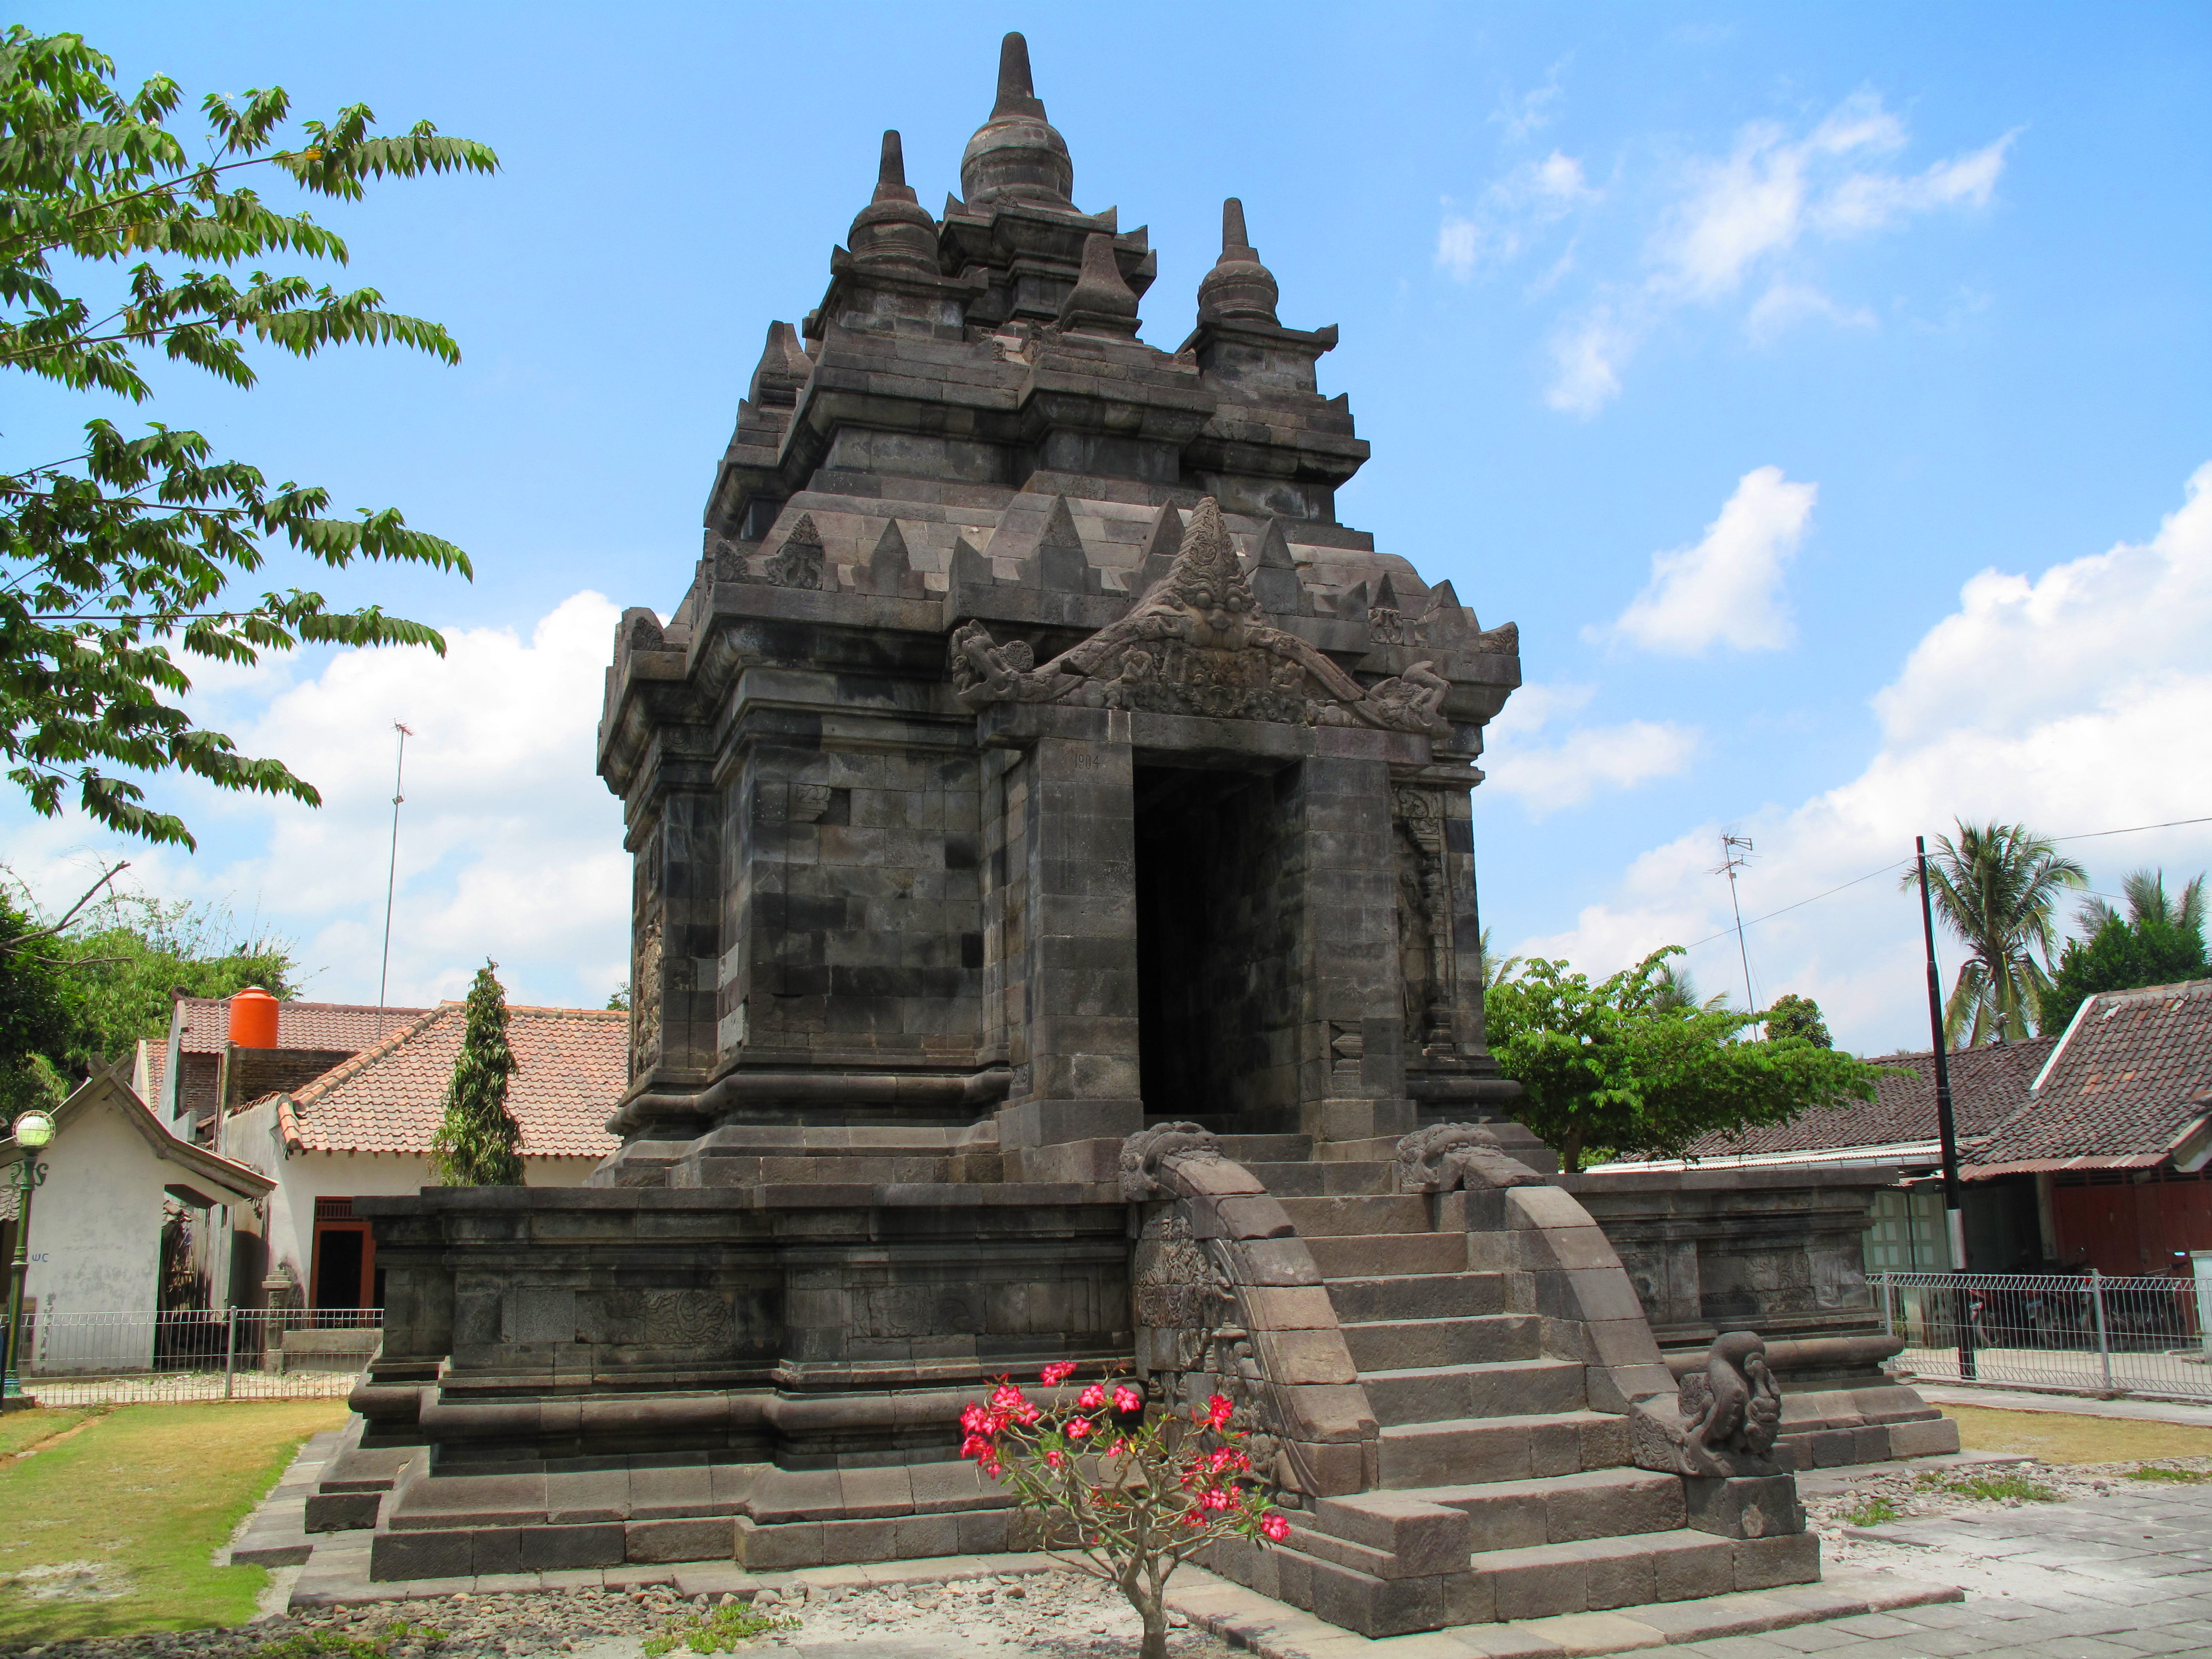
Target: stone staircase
{"x":1495,"y":1489}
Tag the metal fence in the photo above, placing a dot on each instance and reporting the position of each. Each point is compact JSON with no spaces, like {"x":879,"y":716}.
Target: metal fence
{"x":2083,"y":1331}
{"x":238,"y":1354}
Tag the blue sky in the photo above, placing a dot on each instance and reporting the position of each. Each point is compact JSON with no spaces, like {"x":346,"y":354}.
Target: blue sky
{"x":1821,"y":390}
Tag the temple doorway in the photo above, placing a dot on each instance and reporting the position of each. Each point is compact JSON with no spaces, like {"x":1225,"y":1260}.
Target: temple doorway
{"x":1220,"y":947}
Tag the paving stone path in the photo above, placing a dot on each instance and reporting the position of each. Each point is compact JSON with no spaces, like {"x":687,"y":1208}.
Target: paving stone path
{"x":2106,"y":1575}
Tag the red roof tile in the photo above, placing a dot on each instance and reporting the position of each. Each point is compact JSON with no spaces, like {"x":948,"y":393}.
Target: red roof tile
{"x":1988,"y":1085}
{"x":349,"y":1025}
{"x":571,"y":1066}
{"x":2123,"y":1088}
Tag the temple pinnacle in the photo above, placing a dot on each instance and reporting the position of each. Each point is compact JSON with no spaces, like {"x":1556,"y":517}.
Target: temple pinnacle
{"x":894,"y":229}
{"x":1100,"y":301}
{"x":1239,"y":289}
{"x":890,"y":172}
{"x":1016,"y":92}
{"x":1017,"y":155}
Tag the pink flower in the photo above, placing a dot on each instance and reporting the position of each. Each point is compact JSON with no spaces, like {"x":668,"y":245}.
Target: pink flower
{"x":1092,"y":1397}
{"x":1273,"y":1528}
{"x":1214,"y":1497}
{"x":1007,"y":1398}
{"x":974,"y":1419}
{"x":1078,"y":1427}
{"x":975,"y":1445}
{"x":1053,"y":1458}
{"x":1126,"y":1399}
{"x":1217,"y":1411}
{"x":1058,"y":1372}
{"x":990,"y":1466}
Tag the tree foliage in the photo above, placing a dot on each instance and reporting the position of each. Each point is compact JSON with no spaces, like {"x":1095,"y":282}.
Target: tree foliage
{"x":117,"y":561}
{"x":477,"y":1144}
{"x":1622,"y":1064}
{"x":36,"y":1020}
{"x":1799,"y":1017}
{"x":1996,"y":888}
{"x":2147,"y":899}
{"x":2123,"y":957}
{"x":110,"y":975}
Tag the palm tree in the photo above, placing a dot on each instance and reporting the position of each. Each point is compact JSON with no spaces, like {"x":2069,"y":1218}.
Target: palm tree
{"x":1675,"y":991}
{"x":1495,"y":973}
{"x":1996,"y":889}
{"x":2145,"y":894}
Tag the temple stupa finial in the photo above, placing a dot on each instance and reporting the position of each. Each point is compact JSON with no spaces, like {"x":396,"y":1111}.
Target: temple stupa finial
{"x":1017,"y":155}
{"x":1239,"y":289}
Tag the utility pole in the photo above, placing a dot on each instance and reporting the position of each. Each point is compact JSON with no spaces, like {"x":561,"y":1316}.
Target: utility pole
{"x":392,"y":875}
{"x":1947,"y":1127}
{"x":1736,"y":853}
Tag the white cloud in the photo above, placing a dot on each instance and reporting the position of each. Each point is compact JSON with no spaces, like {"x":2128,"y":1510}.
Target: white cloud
{"x":509,"y":846}
{"x":1512,"y":214}
{"x":1770,"y":189}
{"x":2073,"y":702}
{"x":1586,"y":363}
{"x":1786,"y":304}
{"x":1546,"y":777}
{"x":1532,"y":111}
{"x":1750,"y":219}
{"x":1728,"y":588}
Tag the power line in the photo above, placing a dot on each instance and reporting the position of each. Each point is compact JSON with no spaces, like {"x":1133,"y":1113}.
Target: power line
{"x":2085,"y":834}
{"x":392,"y":875}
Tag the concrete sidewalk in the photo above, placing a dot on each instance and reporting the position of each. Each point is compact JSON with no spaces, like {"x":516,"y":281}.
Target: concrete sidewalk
{"x":2023,"y":1400}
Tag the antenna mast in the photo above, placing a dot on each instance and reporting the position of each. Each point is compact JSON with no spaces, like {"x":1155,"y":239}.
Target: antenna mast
{"x":1736,"y":853}
{"x":392,"y":875}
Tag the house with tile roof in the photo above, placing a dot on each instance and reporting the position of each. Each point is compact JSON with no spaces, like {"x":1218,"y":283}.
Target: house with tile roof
{"x":184,"y":1077}
{"x":363,"y":1127}
{"x":2086,"y":1150}
{"x":115,"y":1174}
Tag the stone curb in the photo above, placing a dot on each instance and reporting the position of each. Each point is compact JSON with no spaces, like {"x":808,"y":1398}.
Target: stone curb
{"x":1274,"y":1629}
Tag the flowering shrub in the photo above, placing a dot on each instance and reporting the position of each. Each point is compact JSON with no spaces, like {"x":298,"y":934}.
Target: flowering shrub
{"x":1134,"y":1491}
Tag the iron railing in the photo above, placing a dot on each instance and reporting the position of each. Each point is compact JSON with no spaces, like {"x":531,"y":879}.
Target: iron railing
{"x":238,"y":1354}
{"x":2080,"y":1332}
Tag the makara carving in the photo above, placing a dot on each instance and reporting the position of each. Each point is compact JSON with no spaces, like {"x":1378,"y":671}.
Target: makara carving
{"x":1143,"y":1152}
{"x":1194,"y":644}
{"x":1445,"y":1157}
{"x":1725,"y":1418}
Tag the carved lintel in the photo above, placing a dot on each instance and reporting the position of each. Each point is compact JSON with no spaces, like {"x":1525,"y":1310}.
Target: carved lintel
{"x":1195,"y":644}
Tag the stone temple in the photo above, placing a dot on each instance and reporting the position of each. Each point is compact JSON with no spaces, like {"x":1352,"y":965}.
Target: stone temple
{"x":1054,"y":917}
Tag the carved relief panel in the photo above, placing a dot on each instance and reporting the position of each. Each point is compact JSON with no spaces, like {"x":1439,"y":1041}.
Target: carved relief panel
{"x":1425,"y":916}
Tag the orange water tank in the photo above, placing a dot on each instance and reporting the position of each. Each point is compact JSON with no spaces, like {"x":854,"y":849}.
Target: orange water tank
{"x":253,"y":1018}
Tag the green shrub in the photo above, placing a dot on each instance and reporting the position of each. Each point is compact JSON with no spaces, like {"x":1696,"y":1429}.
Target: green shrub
{"x":717,"y":1631}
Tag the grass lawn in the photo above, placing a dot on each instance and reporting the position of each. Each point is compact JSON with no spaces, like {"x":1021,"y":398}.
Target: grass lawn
{"x":112,"y":1530}
{"x":22,"y":1429}
{"x":2061,"y":1438}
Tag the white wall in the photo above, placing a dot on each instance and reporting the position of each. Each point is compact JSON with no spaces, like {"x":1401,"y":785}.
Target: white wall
{"x":95,"y":1242}
{"x":253,"y":1138}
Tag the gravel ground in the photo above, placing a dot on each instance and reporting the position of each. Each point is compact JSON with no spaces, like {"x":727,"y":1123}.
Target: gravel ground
{"x":1048,"y":1616}
{"x":1838,"y":1517}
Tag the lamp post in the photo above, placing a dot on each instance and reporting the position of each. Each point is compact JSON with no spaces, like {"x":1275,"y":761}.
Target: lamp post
{"x":33,"y":1131}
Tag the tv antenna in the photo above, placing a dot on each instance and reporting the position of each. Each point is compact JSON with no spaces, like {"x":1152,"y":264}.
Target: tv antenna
{"x":392,"y":875}
{"x":1736,"y":853}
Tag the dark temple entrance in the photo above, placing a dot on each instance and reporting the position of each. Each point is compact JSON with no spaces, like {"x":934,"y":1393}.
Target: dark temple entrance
{"x":1219,"y":945}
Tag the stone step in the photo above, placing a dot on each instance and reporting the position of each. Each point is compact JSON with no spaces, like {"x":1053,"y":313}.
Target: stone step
{"x":1378,"y":1149}
{"x":1374,"y":1255}
{"x":1416,"y":1295}
{"x":1563,"y":1509}
{"x":1314,"y":1179}
{"x":1249,"y":1150}
{"x":1593,"y":1574}
{"x":1389,"y":1345}
{"x":1469,"y":1450}
{"x":1504,"y":1387}
{"x":1324,"y":1218}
